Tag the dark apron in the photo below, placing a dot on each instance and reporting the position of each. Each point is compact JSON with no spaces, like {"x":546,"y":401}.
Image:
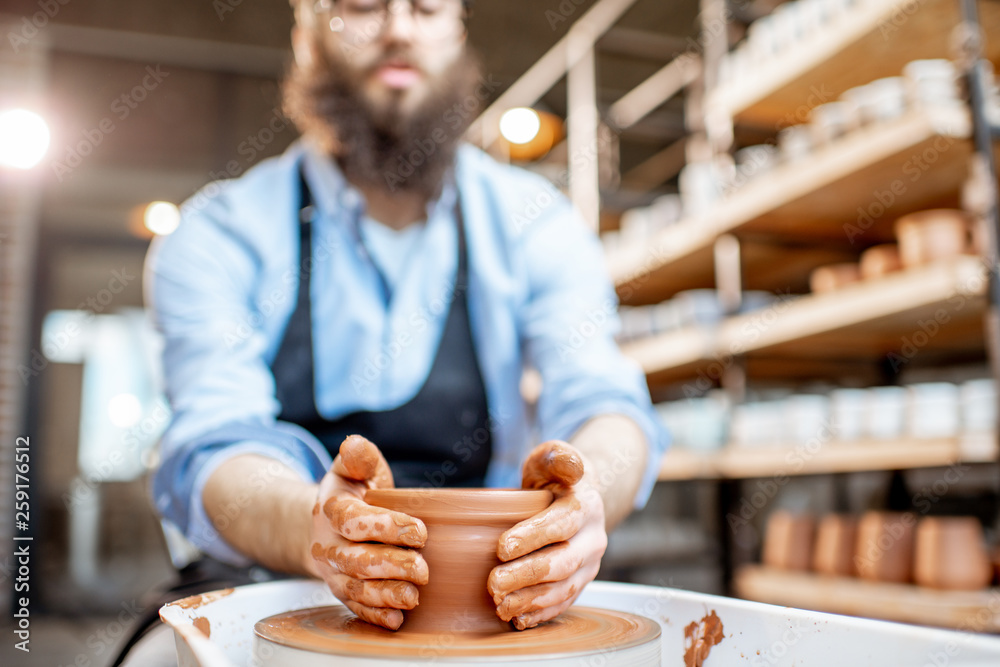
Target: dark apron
{"x":440,"y":437}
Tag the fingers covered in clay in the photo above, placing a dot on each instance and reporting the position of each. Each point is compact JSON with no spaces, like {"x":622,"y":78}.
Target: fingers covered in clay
{"x":387,"y":618}
{"x":553,"y":563}
{"x":378,"y":561}
{"x":553,"y":462}
{"x":557,"y":523}
{"x":360,"y":522}
{"x":360,"y":460}
{"x":549,"y":558}
{"x":366,"y":554}
{"x":532,"y":603}
{"x":530,"y":620}
{"x":377,"y":593}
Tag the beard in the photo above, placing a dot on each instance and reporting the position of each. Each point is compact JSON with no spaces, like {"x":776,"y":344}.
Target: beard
{"x":383,"y":143}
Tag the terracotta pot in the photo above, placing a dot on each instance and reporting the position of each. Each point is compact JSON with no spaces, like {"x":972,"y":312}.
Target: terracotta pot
{"x":885,"y":546}
{"x":834,"y":276}
{"x":788,"y":543}
{"x":950,"y":554}
{"x":463,"y":530}
{"x":929,"y":236}
{"x":880,"y":260}
{"x":836,"y":537}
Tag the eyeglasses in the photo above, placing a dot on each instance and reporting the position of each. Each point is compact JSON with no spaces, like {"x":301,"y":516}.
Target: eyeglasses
{"x":366,"y":19}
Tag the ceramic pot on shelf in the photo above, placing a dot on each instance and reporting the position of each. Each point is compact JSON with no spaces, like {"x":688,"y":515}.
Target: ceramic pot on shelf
{"x":832,"y":277}
{"x":833,"y":120}
{"x":880,"y":260}
{"x":936,"y":234}
{"x":836,"y":538}
{"x":884,"y":550}
{"x":950,"y":554}
{"x":788,"y":541}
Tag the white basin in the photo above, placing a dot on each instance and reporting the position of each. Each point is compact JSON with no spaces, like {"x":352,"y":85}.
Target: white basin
{"x":755,"y":633}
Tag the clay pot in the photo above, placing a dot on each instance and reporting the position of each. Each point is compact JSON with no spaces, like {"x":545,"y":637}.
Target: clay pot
{"x":885,"y":546}
{"x":929,"y":236}
{"x":788,"y":543}
{"x":950,"y":554}
{"x":832,"y":277}
{"x":463,"y":531}
{"x":836,"y":537}
{"x":880,"y":260}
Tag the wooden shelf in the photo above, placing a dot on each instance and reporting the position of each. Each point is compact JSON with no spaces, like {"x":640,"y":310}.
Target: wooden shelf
{"x":863,"y":321}
{"x":907,"y":603}
{"x":885,"y":170}
{"x":871,"y":41}
{"x":832,"y":457}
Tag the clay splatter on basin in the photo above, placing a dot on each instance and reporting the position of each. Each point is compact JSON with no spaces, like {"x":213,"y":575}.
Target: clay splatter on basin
{"x":700,"y":637}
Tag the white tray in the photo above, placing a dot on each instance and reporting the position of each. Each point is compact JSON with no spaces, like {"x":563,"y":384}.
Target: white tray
{"x":755,"y":633}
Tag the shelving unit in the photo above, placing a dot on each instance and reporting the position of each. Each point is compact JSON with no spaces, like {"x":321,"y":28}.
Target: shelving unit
{"x":825,"y":458}
{"x":964,"y":610}
{"x":874,"y":39}
{"x":823,"y":209}
{"x":819,"y":333}
{"x":816,"y":201}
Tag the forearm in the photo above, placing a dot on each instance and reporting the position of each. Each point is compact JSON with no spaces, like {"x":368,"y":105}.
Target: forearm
{"x":263,"y":509}
{"x":615,"y":447}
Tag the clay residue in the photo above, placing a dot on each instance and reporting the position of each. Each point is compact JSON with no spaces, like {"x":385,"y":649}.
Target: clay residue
{"x":197,"y":601}
{"x":700,"y":637}
{"x":552,"y":461}
{"x":575,"y":636}
{"x":358,"y":459}
{"x":202,"y":624}
{"x":514,"y":576}
{"x":563,"y":518}
{"x":376,"y":561}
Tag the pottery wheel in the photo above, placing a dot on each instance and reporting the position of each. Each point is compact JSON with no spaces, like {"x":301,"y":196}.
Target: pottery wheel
{"x":291,"y":638}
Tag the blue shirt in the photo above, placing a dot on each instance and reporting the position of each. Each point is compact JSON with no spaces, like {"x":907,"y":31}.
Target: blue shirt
{"x":222,"y":288}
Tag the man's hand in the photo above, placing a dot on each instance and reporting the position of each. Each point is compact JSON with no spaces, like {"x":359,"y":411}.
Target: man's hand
{"x":549,"y":558}
{"x":375,"y":581}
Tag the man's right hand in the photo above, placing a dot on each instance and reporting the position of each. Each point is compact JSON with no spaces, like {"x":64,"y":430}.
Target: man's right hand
{"x":375,"y":581}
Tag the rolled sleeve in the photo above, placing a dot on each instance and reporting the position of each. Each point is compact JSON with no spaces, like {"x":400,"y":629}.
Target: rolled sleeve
{"x":180,"y":480}
{"x":200,"y":284}
{"x":570,"y":323}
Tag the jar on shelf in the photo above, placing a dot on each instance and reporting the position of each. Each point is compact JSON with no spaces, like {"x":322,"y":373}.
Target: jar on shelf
{"x":932,"y":410}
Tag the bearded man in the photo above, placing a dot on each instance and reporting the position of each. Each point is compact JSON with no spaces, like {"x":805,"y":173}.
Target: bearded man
{"x":374,"y":295}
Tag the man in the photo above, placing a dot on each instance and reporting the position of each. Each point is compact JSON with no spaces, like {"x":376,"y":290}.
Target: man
{"x":382,"y":279}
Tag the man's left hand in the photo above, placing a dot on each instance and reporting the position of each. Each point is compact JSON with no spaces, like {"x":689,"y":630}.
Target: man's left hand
{"x":549,"y":558}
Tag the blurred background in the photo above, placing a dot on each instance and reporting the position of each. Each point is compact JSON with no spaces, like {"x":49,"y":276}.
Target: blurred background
{"x":146,"y":102}
{"x":796,"y":216}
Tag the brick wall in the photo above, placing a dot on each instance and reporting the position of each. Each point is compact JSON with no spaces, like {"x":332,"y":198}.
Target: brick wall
{"x":22,"y":83}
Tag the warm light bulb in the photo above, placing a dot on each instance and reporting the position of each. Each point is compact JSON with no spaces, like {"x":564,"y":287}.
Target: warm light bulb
{"x":24,"y":138}
{"x":125,"y":410}
{"x":520,"y":125}
{"x":162,"y":217}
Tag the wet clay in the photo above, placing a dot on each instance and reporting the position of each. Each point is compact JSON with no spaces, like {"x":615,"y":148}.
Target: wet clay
{"x":361,"y":461}
{"x":196,"y":601}
{"x":203,"y":626}
{"x":463,"y":531}
{"x":700,"y":637}
{"x":578,"y":631}
{"x":553,"y":461}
